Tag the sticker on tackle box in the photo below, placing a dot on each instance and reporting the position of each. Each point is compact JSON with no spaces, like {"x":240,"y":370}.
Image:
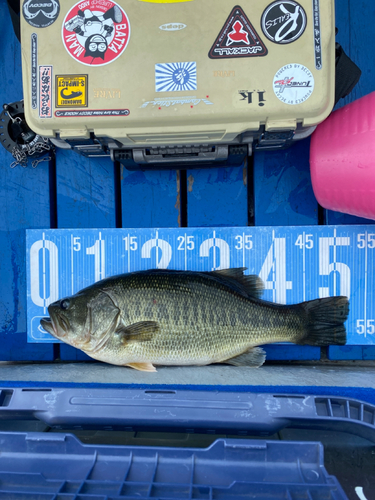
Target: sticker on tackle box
{"x":237,"y":38}
{"x":45,"y":91}
{"x":293,"y":84}
{"x":284,"y":21}
{"x":295,"y":263}
{"x":96,"y":33}
{"x":71,"y":91}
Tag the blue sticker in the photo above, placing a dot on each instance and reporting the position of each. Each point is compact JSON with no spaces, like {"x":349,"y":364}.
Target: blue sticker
{"x":175,"y":77}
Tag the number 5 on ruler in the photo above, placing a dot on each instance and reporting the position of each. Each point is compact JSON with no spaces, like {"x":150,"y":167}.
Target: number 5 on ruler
{"x":326,"y":268}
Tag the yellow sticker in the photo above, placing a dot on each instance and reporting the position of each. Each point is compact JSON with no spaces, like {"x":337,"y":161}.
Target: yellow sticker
{"x":71,"y":91}
{"x":165,"y":1}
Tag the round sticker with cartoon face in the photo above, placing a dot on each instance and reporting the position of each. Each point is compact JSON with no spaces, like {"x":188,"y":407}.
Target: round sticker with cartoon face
{"x":96,"y":34}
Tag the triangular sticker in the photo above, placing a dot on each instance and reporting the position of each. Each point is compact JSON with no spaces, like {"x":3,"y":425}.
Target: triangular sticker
{"x":237,"y":38}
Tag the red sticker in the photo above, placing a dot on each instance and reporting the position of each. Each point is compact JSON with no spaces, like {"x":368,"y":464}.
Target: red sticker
{"x":96,"y":33}
{"x":237,"y":38}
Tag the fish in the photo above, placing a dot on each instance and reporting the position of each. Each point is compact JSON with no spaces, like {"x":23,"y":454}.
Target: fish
{"x":165,"y":317}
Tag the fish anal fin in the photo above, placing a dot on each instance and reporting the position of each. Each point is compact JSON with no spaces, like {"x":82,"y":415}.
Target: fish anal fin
{"x":142,"y":367}
{"x":142,"y":331}
{"x":254,"y":357}
{"x":251,"y":284}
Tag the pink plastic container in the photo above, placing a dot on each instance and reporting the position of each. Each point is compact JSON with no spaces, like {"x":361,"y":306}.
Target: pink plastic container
{"x":342,"y":159}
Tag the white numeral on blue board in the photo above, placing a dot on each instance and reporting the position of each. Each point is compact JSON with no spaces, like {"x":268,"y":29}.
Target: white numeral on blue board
{"x":224,"y":252}
{"x":163,"y":251}
{"x":365,"y":327}
{"x":44,"y":281}
{"x":131,"y":243}
{"x":275,"y":267}
{"x":305,"y":241}
{"x":98,"y":250}
{"x":326,"y":267}
{"x":244,"y":241}
{"x":76,"y":243}
{"x":185,"y":243}
{"x":366,"y":240}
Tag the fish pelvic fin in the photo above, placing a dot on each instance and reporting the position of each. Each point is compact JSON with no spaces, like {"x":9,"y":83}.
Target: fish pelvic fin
{"x":254,"y":357}
{"x":142,"y":331}
{"x":325,"y":320}
{"x":250,"y":285}
{"x":142,"y":367}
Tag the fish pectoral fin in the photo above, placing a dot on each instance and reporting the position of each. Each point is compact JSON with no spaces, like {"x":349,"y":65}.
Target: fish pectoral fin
{"x":250,"y":284}
{"x":142,"y":331}
{"x":254,"y":357}
{"x":142,"y":367}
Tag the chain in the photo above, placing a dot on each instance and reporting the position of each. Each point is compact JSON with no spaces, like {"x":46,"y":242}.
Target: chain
{"x":21,"y":156}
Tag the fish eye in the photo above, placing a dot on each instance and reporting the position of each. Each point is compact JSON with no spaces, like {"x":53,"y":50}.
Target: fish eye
{"x":64,"y":304}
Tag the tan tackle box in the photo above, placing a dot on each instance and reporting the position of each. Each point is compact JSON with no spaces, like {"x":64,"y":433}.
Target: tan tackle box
{"x":166,"y":82}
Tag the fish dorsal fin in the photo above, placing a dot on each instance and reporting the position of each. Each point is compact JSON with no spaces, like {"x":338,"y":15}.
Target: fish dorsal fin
{"x":251,"y":284}
{"x":254,"y":357}
{"x":142,"y":367}
{"x":142,"y":331}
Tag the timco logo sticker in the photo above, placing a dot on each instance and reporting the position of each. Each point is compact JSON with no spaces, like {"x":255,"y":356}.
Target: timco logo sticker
{"x":237,"y":38}
{"x":96,"y":33}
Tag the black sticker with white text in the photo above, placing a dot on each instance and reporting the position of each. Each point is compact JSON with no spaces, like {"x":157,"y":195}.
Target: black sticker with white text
{"x":41,"y":13}
{"x":284,"y":21}
{"x":317,"y":36}
{"x":34,"y":71}
{"x":237,"y":38}
{"x":91,"y":112}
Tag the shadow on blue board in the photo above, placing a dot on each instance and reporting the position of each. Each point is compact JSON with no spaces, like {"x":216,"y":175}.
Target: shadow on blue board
{"x":283,"y":194}
{"x":351,"y":352}
{"x":291,"y":353}
{"x":69,"y":353}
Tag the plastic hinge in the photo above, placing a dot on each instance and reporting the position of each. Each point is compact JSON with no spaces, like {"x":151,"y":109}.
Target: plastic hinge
{"x":196,"y":411}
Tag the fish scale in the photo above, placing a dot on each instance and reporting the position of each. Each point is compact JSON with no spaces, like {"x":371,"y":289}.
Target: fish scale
{"x":231,"y":327}
{"x":165,"y":317}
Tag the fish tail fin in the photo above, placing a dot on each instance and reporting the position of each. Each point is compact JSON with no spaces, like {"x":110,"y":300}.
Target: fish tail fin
{"x":325,"y":318}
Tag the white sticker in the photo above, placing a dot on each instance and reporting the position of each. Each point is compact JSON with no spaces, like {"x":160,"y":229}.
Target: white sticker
{"x":172,"y":26}
{"x":359,"y":491}
{"x":293,"y":84}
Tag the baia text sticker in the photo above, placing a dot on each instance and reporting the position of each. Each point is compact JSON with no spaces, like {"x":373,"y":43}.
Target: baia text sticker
{"x":96,"y":34}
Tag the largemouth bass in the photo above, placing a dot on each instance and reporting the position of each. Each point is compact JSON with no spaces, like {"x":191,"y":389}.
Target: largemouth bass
{"x":164,"y":317}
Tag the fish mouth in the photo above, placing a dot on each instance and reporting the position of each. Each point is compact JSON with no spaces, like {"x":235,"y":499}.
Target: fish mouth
{"x":56,"y":325}
{"x":48,"y":326}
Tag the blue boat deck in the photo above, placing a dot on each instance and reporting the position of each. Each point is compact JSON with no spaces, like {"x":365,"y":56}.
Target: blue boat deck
{"x":271,"y":189}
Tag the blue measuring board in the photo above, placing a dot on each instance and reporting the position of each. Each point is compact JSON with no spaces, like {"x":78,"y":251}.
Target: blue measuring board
{"x":295,"y":263}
